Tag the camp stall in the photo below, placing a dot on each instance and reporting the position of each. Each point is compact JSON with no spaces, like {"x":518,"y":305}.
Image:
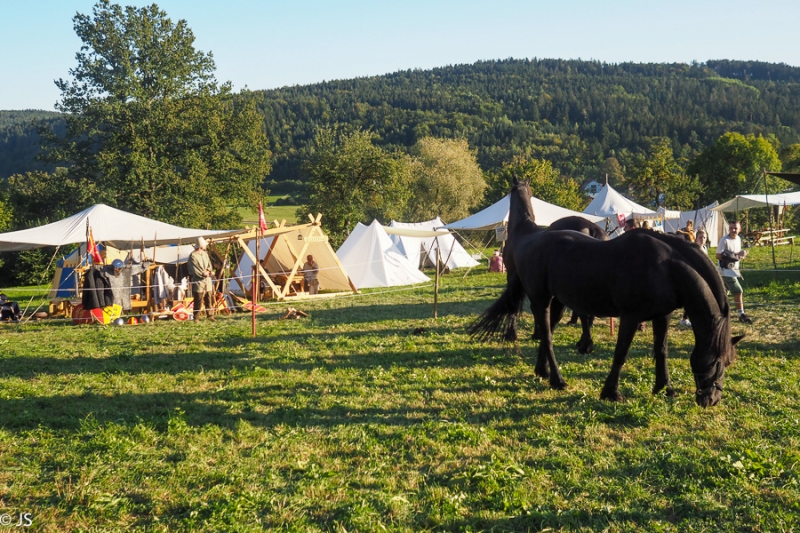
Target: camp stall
{"x":112,"y":227}
{"x":282,"y":252}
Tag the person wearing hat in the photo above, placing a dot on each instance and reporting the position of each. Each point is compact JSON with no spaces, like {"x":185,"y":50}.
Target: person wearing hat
{"x":201,"y":272}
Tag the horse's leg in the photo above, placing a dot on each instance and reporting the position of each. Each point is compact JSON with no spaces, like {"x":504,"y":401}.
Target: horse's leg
{"x":660,"y":329}
{"x":586,"y":344}
{"x":556,"y":313}
{"x":627,"y":329}
{"x":546,"y":355}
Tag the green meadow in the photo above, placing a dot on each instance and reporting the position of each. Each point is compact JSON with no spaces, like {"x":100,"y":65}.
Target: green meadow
{"x":371,"y":415}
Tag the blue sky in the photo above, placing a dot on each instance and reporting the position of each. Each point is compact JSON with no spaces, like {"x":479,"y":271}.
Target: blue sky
{"x":267,"y":44}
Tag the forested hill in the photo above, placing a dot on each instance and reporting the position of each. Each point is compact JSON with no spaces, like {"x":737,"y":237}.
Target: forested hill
{"x":20,"y":142}
{"x":574,"y":113}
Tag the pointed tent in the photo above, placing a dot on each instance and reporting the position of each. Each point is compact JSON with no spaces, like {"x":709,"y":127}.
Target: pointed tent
{"x":372,"y":259}
{"x":118,"y":228}
{"x":421,"y":251}
{"x":283,"y":251}
{"x":609,"y":203}
{"x":496,"y":215}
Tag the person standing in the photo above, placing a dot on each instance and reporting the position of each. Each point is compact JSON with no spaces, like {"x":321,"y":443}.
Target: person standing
{"x":310,"y":272}
{"x":201,"y":272}
{"x":729,"y":252}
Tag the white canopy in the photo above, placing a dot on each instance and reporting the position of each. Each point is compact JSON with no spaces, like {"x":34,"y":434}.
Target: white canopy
{"x":746,"y":201}
{"x":661,"y":214}
{"x":372,"y":260}
{"x":120,"y":229}
{"x":418,"y":242}
{"x":496,"y":215}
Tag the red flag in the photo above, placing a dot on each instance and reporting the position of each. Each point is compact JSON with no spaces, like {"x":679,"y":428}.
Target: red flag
{"x":621,"y":220}
{"x":91,"y":249}
{"x":261,"y":220}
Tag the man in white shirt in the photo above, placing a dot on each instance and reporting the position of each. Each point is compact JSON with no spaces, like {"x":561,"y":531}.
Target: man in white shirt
{"x":729,"y":252}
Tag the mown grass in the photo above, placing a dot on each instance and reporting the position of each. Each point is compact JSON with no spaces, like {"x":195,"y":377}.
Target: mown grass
{"x":349,"y":421}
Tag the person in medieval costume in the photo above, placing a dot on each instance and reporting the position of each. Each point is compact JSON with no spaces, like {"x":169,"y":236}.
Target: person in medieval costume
{"x":201,"y":274}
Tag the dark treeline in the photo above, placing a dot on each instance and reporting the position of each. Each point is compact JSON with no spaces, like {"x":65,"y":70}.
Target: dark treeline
{"x":20,"y":143}
{"x":573,"y":113}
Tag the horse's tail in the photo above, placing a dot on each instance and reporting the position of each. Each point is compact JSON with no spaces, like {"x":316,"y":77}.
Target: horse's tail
{"x":502,"y":315}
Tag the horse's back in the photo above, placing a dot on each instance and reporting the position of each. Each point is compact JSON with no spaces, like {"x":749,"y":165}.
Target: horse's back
{"x":580,"y":224}
{"x":602,"y":278}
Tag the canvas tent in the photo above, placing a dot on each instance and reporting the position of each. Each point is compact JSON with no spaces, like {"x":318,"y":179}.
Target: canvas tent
{"x":421,"y":251}
{"x":609,"y":204}
{"x":496,"y":215}
{"x":111,"y":226}
{"x":713,"y":222}
{"x":282,"y":252}
{"x":372,"y":259}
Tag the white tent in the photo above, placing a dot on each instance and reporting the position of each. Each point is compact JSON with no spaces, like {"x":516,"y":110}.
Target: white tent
{"x":372,"y":260}
{"x":713,"y":222}
{"x":496,"y":215}
{"x":609,"y":204}
{"x":120,"y":229}
{"x":421,"y":251}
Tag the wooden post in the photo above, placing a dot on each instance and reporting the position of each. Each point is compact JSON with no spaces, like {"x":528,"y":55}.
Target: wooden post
{"x":611,"y":325}
{"x":253,"y":299}
{"x":436,"y":287}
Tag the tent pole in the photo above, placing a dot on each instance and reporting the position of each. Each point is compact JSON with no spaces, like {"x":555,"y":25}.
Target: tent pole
{"x":436,"y":284}
{"x":771,"y":232}
{"x":253,"y":300}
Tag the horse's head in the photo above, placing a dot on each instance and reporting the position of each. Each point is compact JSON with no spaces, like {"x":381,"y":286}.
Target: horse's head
{"x":520,"y":203}
{"x":709,"y":360}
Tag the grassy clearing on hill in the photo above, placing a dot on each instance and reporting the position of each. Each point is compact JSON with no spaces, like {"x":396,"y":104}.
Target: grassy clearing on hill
{"x":348,"y":421}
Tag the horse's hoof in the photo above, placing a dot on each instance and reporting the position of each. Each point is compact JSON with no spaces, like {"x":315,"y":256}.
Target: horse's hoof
{"x":612,"y":396}
{"x":542,"y":373}
{"x":585,"y":348}
{"x":558,"y":385}
{"x":671,"y":392}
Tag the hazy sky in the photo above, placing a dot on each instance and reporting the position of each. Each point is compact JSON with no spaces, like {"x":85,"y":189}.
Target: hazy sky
{"x":267,"y":44}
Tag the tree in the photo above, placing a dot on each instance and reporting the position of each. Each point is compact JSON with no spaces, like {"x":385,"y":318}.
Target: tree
{"x":447,"y":182}
{"x":148,"y":125}
{"x":546,"y":183}
{"x":657,"y":173}
{"x":351,"y":180}
{"x":735,"y":164}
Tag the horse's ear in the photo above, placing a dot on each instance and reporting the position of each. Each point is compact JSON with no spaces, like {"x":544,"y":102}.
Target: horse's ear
{"x":515,"y":181}
{"x":736,"y":339}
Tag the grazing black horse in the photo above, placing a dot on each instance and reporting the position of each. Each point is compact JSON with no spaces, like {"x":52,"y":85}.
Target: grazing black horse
{"x":639,"y":276}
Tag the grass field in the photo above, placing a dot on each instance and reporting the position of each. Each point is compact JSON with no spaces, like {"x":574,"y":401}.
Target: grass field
{"x":272,"y":212}
{"x":349,"y":421}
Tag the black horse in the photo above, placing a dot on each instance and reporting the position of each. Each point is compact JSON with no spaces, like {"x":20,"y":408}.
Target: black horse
{"x":640,"y":276}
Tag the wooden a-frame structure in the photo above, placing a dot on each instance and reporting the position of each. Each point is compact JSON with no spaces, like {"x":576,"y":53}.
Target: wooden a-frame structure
{"x":287,"y":248}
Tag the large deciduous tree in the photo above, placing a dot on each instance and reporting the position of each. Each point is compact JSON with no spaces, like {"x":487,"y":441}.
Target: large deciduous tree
{"x":448,"y":182}
{"x":351,"y":180}
{"x":657,"y":173}
{"x":149,"y":126}
{"x":735,"y":164}
{"x":546,"y":183}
